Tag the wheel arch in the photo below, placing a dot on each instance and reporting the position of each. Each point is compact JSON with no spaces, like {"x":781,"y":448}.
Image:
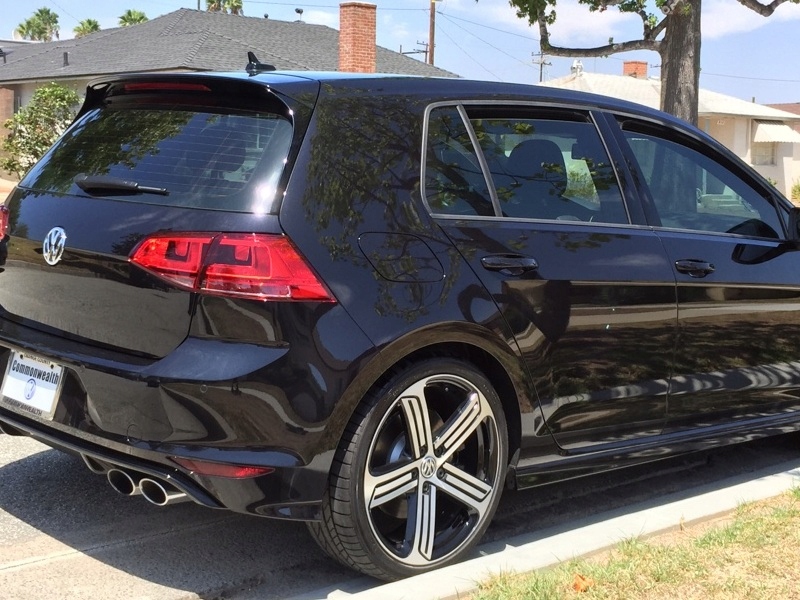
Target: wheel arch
{"x":468,"y":342}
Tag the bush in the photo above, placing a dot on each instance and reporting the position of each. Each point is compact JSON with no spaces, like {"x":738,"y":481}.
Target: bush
{"x":796,"y":191}
{"x":37,"y":125}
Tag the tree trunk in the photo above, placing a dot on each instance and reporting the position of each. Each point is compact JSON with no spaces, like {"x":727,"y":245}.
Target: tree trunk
{"x":680,"y":62}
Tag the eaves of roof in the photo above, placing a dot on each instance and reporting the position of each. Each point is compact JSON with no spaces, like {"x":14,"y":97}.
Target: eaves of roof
{"x":648,"y":93}
{"x":193,"y":40}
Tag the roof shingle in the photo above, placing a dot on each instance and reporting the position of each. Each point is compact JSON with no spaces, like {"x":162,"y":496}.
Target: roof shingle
{"x":189,"y":39}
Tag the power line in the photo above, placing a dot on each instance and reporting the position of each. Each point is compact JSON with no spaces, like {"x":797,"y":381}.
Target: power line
{"x":485,"y":42}
{"x":470,"y":56}
{"x":751,"y":78}
{"x":519,"y":35}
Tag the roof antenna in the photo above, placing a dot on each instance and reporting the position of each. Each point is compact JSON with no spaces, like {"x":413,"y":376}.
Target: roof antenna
{"x":254,"y":67}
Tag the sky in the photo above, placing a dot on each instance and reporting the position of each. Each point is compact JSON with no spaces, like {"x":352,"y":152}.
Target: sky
{"x":743,"y":54}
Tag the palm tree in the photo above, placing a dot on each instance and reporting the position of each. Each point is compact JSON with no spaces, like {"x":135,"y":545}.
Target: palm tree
{"x":42,"y":26}
{"x":234,"y":7}
{"x":86,"y":27}
{"x":132,"y":17}
{"x":25,"y":30}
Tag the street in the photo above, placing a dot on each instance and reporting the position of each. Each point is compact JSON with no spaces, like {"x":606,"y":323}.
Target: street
{"x":64,"y":533}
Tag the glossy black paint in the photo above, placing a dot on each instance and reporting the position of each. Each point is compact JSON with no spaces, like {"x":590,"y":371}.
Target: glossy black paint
{"x":591,"y":322}
{"x":739,"y":334}
{"x":603,"y":353}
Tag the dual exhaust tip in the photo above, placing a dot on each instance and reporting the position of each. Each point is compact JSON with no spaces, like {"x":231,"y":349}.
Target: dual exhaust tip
{"x":130,"y":483}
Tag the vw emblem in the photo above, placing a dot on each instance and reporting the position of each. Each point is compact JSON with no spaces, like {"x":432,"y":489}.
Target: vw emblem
{"x":53,"y":246}
{"x":428,"y":467}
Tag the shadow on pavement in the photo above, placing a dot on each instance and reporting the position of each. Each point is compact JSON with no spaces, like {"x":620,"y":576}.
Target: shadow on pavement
{"x":185,"y":546}
{"x":215,"y":554}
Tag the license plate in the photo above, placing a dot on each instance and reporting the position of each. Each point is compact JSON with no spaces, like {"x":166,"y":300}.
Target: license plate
{"x":32,"y":384}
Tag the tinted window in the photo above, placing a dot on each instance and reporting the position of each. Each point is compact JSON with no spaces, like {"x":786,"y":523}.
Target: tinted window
{"x":549,"y":169}
{"x":692,"y":191}
{"x":454,"y":182}
{"x":203,"y":158}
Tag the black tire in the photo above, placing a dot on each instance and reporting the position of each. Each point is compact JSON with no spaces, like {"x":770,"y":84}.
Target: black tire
{"x":432,"y":442}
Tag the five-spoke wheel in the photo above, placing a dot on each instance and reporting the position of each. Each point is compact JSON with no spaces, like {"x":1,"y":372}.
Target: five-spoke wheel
{"x":419,"y":473}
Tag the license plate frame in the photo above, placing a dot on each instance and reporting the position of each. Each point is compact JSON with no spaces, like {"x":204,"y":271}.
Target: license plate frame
{"x":32,"y":384}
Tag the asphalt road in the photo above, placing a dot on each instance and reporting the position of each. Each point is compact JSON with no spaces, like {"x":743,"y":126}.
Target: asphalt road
{"x":65,"y":534}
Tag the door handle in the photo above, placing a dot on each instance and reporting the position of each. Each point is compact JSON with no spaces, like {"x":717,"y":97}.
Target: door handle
{"x":694,"y":267}
{"x":509,"y":264}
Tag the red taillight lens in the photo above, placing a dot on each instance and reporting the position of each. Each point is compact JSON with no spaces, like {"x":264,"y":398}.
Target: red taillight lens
{"x":176,"y":258}
{"x":202,"y":467}
{"x":4,"y":218}
{"x":254,"y":266}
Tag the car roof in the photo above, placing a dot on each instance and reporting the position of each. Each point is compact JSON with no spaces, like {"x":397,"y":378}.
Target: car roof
{"x":432,"y":88}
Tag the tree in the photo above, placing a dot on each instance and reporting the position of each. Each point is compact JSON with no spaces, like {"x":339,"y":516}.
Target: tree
{"x":86,"y":27}
{"x":37,"y":125}
{"x":132,"y":17}
{"x":671,"y":28}
{"x":234,"y":7}
{"x":42,"y":26}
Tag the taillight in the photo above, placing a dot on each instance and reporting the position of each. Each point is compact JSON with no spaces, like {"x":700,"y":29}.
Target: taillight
{"x":4,"y":217}
{"x":243,"y":265}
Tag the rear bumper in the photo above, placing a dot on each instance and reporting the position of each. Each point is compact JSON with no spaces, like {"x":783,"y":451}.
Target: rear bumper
{"x":287,"y":493}
{"x":209,"y":400}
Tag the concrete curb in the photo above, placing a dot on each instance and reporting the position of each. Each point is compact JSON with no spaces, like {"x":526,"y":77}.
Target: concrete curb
{"x":545,"y":548}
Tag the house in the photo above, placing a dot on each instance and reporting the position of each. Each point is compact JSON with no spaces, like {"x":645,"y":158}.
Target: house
{"x":193,"y":40}
{"x":763,"y":136}
{"x":792,"y":107}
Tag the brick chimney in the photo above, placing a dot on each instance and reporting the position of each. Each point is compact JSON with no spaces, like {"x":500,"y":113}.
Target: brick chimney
{"x":357,"y":37}
{"x":635,"y":68}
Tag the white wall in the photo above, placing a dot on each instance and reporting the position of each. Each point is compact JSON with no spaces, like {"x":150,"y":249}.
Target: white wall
{"x":26,"y":90}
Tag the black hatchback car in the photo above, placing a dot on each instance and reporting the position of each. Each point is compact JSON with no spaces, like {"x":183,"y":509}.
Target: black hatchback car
{"x":373,"y":302}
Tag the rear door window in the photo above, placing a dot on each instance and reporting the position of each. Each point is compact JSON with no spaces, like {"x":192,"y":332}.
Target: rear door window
{"x":521,"y":163}
{"x":551,"y":167}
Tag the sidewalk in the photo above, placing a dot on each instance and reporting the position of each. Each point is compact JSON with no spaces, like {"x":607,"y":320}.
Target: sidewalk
{"x":548,"y":547}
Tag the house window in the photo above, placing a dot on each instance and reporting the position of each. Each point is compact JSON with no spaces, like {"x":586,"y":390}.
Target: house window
{"x":764,"y":153}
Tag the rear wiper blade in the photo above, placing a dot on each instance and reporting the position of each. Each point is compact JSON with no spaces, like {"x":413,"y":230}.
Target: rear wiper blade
{"x":105,"y":183}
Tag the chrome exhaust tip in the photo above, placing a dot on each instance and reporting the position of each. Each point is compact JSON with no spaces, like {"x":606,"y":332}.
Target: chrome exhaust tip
{"x":161,"y":493}
{"x":127,"y":484}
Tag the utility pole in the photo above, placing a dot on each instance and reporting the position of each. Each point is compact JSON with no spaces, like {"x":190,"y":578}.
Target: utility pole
{"x":422,"y":50}
{"x":541,"y":62}
{"x":431,"y":32}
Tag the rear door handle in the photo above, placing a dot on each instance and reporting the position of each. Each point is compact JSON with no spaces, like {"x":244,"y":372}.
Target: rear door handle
{"x":694,"y":267}
{"x":509,"y":264}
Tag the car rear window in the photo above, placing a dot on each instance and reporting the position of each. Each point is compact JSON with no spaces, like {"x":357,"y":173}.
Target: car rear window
{"x":203,"y":158}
